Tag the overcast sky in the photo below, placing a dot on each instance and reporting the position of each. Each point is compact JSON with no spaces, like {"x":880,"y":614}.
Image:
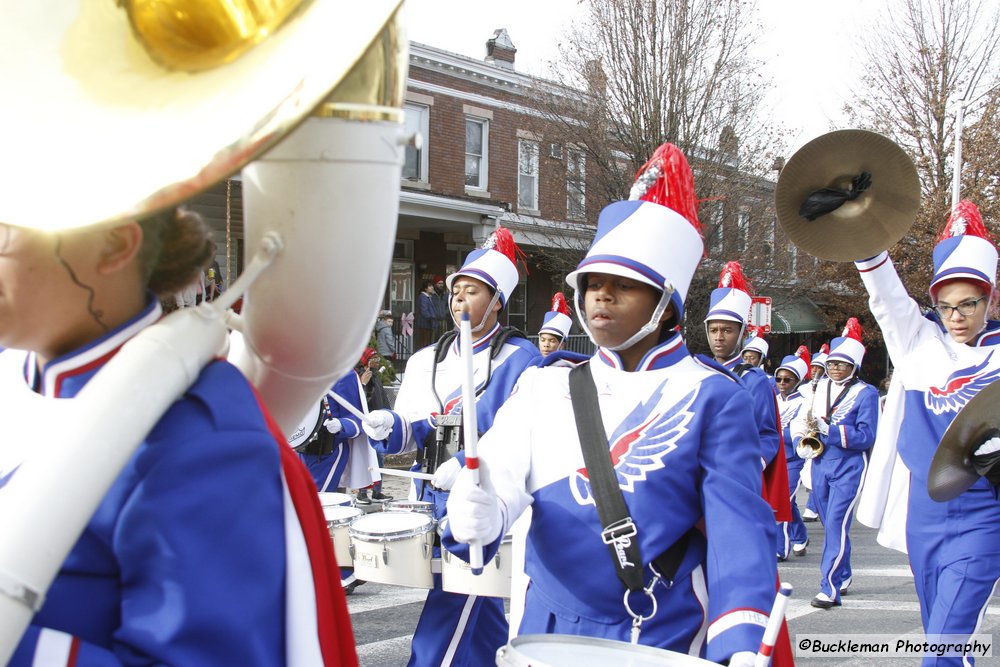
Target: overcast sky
{"x":810,"y":48}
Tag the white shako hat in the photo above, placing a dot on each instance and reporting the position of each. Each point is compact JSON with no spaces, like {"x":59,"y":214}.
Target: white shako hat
{"x":557,"y":321}
{"x":964,"y":250}
{"x":757,"y":344}
{"x":819,"y":359}
{"x":654,"y":237}
{"x":848,"y":347}
{"x":494,"y":264}
{"x":797,"y":363}
{"x":731,"y":299}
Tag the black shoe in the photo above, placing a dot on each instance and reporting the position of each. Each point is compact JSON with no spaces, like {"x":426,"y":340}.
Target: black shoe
{"x":782,"y":559}
{"x":362,"y":499}
{"x":380,"y":497}
{"x":824,"y":603}
{"x":349,"y":588}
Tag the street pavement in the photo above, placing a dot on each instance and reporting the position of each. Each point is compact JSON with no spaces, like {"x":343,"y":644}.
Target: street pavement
{"x":881,"y":600}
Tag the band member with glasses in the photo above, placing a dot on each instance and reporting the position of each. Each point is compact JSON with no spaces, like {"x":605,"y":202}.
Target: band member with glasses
{"x":842,"y":419}
{"x":941,"y":360}
{"x":792,"y":535}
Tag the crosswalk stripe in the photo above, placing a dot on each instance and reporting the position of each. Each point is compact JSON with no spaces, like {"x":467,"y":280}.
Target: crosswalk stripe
{"x":797,"y":608}
{"x":359,"y":602}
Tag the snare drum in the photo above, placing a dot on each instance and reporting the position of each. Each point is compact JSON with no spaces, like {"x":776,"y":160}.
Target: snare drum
{"x":404,"y":505}
{"x":338,"y":518}
{"x":393,"y":548}
{"x":332,"y":499}
{"x":560,"y":650}
{"x":457,"y":577}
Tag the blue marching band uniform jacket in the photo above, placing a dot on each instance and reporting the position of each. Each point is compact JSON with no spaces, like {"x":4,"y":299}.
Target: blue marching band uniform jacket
{"x":455,"y":629}
{"x":671,"y":426}
{"x":764,"y":408}
{"x":327,"y":469}
{"x":953,"y":546}
{"x":161,"y":573}
{"x":794,"y":531}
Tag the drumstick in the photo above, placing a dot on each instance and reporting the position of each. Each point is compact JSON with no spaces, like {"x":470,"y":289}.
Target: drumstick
{"x":404,"y":473}
{"x":469,"y":422}
{"x":344,"y":403}
{"x":773,"y":626}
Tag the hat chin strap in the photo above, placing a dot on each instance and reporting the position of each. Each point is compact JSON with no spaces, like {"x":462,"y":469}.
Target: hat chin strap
{"x":646,"y":329}
{"x":736,"y":349}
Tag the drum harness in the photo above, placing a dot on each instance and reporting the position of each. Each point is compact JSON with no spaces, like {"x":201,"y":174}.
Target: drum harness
{"x":447,"y":436}
{"x":319,"y":444}
{"x":619,"y":531}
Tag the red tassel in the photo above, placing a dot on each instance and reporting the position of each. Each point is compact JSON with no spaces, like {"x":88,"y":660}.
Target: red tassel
{"x":853,"y":329}
{"x":672,"y":183}
{"x":559,"y":304}
{"x":803,"y":354}
{"x":965,"y":220}
{"x":732,"y":276}
{"x":502,"y":241}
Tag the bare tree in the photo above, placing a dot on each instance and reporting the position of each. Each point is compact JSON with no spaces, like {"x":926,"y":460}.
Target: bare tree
{"x":924,"y":60}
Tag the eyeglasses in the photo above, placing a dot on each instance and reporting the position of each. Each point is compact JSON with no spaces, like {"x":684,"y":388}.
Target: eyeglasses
{"x":784,"y":380}
{"x":838,"y":365}
{"x":965,"y":309}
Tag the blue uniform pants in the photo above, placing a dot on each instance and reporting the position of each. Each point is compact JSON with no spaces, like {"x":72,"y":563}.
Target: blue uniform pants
{"x":954,"y":550}
{"x":794,"y":531}
{"x":836,"y":488}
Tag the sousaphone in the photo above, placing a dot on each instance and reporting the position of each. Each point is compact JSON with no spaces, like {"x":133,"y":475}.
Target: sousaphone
{"x":847,"y":195}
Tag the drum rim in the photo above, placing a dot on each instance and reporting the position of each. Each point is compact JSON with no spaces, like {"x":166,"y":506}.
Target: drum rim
{"x":392,"y":536}
{"x":355,"y":513}
{"x":640,"y":649}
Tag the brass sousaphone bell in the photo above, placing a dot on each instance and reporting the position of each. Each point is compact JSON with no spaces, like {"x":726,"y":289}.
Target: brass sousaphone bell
{"x":872,"y":218}
{"x":114,"y":109}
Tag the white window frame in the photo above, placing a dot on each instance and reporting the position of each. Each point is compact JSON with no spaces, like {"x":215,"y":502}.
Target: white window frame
{"x":769,"y":240}
{"x":742,"y":230}
{"x":418,"y":120}
{"x":793,"y":260}
{"x":484,"y":157}
{"x":576,"y":184}
{"x":717,"y":219}
{"x":527,"y":156}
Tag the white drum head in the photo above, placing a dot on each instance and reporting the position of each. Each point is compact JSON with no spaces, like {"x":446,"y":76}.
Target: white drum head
{"x":390,"y":525}
{"x":340,"y":514}
{"x":567,"y":650}
{"x":331,"y":499}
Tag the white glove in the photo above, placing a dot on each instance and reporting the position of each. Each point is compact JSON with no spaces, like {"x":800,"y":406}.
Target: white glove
{"x":446,"y":474}
{"x":378,"y":424}
{"x":822,"y":427}
{"x":333,"y":425}
{"x":474,"y":511}
{"x":743,"y":659}
{"x":988,"y":447}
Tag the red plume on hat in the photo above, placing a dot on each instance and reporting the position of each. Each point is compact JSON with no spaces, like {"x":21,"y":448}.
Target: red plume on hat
{"x":803,"y":354}
{"x":502,"y":241}
{"x":732,"y":277}
{"x":853,"y":329}
{"x":666,"y":179}
{"x":824,"y":348}
{"x":965,"y":220}
{"x":559,"y":304}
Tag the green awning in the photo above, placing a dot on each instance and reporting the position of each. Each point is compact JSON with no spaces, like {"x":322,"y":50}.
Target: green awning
{"x":799,"y":315}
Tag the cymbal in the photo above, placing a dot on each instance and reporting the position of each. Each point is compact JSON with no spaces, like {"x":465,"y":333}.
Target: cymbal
{"x":861,"y":228}
{"x":951,"y":471}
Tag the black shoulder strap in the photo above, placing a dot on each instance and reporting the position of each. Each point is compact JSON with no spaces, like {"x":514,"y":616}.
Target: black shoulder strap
{"x":442,"y":345}
{"x":505,"y":334}
{"x":619,"y":531}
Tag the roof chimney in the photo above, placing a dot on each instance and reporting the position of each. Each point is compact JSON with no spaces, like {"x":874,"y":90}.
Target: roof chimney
{"x":500,"y":50}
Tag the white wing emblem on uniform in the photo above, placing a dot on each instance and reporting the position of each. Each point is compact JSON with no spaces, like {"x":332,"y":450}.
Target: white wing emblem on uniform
{"x":789,"y":414}
{"x":844,"y":407}
{"x":959,"y":388}
{"x":640,"y":443}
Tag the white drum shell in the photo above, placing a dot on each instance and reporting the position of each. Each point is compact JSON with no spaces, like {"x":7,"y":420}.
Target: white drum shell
{"x":338,"y":519}
{"x":393,"y":548}
{"x":562,"y":650}
{"x":457,"y":577}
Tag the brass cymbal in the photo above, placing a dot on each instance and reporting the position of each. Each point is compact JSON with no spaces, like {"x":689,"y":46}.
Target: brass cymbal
{"x":951,"y":471}
{"x":858,"y":229}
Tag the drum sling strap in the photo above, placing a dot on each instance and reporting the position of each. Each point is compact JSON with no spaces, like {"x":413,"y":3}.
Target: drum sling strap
{"x":619,"y":532}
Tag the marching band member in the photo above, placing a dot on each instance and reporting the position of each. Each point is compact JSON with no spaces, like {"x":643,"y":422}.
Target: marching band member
{"x":817,"y":369}
{"x":326,"y":457}
{"x":555,"y":326}
{"x":941,"y":361}
{"x":670,"y":422}
{"x":456,"y":629}
{"x":214,"y":525}
{"x":792,"y":535}
{"x":754,"y":350}
{"x":725,"y":324}
{"x":842,"y":415}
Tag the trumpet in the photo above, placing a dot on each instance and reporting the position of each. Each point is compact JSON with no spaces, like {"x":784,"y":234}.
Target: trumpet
{"x":810,"y":446}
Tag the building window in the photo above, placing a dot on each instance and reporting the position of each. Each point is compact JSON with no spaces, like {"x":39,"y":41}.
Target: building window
{"x":769,"y":241}
{"x":517,"y":306}
{"x":476,"y":156}
{"x":714,"y":216}
{"x":793,"y":260}
{"x":576,"y":186}
{"x":742,"y":228}
{"x":527,"y":175}
{"x":415,"y":163}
